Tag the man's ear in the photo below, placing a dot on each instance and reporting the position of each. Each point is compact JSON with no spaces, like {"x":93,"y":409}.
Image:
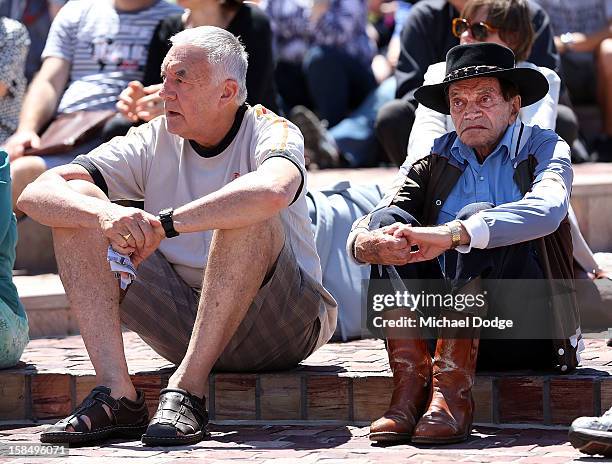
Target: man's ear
{"x":230,"y":91}
{"x":516,"y":107}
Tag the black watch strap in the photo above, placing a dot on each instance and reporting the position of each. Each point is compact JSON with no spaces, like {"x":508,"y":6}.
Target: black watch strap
{"x":165,"y":217}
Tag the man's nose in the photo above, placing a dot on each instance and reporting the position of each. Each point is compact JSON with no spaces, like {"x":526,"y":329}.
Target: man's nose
{"x":166,"y":93}
{"x":472,"y":110}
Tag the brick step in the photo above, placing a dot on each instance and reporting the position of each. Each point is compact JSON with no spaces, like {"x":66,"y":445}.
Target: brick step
{"x":348,"y":383}
{"x":46,"y":304}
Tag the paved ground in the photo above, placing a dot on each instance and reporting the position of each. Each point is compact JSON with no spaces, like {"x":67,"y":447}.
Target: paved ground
{"x":230,"y":444}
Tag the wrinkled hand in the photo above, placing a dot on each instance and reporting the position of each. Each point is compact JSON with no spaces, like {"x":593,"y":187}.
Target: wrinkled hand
{"x":16,"y":144}
{"x":381,"y":247}
{"x":431,"y":241}
{"x":131,"y":231}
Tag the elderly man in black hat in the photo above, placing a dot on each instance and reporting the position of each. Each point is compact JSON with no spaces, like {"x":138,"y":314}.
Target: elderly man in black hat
{"x":489,"y":202}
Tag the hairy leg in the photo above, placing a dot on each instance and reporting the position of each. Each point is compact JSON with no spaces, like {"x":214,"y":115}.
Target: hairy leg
{"x":93,"y":295}
{"x":238,"y":262}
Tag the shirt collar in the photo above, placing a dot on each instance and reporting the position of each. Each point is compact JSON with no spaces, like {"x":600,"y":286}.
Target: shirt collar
{"x":227,"y":139}
{"x":462,"y":153}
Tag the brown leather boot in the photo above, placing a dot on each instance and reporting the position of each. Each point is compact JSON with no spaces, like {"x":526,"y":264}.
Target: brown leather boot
{"x":410,"y":363}
{"x":451,"y":410}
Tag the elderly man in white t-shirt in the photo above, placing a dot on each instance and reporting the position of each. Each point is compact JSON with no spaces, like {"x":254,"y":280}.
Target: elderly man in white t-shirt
{"x":227,"y":272}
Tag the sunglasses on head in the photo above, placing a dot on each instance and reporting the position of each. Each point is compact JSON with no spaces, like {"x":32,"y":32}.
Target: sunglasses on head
{"x":480,"y":31}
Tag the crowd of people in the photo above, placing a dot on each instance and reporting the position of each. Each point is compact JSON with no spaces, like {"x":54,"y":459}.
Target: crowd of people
{"x":168,"y":144}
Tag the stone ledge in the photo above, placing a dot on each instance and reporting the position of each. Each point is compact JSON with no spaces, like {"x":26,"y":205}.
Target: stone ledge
{"x":46,"y":304}
{"x":346,"y":383}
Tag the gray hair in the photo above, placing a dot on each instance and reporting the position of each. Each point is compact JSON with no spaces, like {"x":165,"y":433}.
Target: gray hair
{"x":222,"y":49}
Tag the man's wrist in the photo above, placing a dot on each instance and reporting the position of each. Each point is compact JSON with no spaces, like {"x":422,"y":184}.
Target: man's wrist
{"x":457,"y":234}
{"x":454,"y":229}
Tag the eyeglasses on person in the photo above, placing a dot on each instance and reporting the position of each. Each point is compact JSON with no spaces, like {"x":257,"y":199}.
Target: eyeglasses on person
{"x":480,"y":31}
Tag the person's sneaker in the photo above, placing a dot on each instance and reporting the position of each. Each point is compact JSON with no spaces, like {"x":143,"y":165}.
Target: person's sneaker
{"x":602,"y":151}
{"x":592,"y":435}
{"x":319,"y":147}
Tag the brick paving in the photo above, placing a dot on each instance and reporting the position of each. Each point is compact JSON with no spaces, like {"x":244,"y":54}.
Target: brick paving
{"x":347,"y":382}
{"x":325,"y":444}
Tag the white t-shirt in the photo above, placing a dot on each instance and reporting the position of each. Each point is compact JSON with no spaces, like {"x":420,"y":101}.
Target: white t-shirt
{"x":162,"y":169}
{"x":106,"y":48}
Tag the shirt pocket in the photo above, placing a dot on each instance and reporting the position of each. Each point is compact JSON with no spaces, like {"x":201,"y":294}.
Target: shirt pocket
{"x":449,"y":209}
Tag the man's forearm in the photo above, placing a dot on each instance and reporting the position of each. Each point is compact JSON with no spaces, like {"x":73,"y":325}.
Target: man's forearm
{"x":39,"y":106}
{"x":245,"y":201}
{"x":50,"y":201}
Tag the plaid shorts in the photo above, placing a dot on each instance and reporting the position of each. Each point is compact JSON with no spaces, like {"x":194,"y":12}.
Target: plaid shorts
{"x":281,"y":327}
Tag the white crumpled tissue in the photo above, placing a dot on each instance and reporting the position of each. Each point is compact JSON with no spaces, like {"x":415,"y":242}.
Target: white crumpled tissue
{"x":122,"y":266}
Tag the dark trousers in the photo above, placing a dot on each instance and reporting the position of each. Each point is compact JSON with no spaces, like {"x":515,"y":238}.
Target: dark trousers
{"x":329,"y":81}
{"x":396,"y":118}
{"x":518,"y":261}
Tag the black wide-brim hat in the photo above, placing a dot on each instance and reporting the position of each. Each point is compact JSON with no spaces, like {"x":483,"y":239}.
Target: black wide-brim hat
{"x":482,"y":60}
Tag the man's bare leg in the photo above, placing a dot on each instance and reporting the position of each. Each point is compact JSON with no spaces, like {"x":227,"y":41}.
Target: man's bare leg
{"x":238,"y":262}
{"x":93,"y":294}
{"x":24,"y":171}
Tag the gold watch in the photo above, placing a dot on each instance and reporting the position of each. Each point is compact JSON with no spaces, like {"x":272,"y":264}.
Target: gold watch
{"x":455,"y":230}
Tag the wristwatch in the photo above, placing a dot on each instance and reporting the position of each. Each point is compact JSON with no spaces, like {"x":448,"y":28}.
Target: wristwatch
{"x":165,"y":217}
{"x":455,"y":230}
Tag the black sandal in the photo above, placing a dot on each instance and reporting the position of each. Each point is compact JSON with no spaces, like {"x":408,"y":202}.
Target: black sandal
{"x":178,"y":411}
{"x":127,"y":419}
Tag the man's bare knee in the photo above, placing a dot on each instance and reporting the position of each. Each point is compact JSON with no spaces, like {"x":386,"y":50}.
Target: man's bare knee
{"x":267,"y":236}
{"x":270,"y":231}
{"x":27,"y":167}
{"x":87,"y":188}
{"x":24,"y":171}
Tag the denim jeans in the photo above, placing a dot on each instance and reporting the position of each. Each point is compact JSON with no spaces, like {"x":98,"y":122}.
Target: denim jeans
{"x":329,"y":81}
{"x":355,"y":136}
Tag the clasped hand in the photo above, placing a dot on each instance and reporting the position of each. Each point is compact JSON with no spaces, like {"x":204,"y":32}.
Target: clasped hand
{"x":131,"y":231}
{"x":393,"y":245}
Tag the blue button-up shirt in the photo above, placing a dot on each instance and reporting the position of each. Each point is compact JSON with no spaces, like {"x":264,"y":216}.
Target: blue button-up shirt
{"x":515,"y":217}
{"x":491,"y":182}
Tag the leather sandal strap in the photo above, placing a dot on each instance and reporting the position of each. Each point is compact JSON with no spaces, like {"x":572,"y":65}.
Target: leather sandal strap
{"x":121,"y":411}
{"x":182,"y":410}
{"x":78,"y":424}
